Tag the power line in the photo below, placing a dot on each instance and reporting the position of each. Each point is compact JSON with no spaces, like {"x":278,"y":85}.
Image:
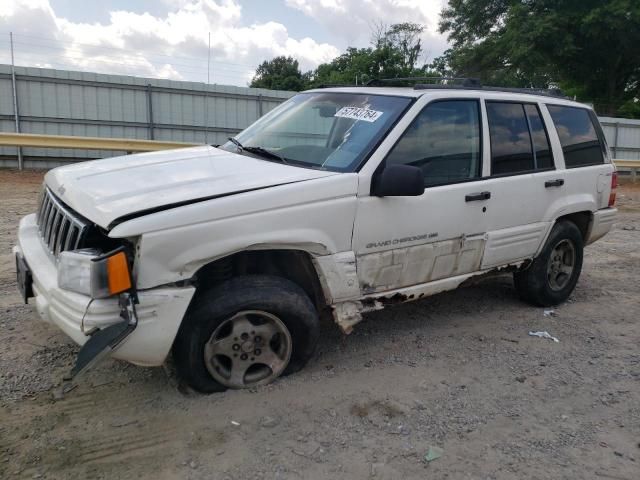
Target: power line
{"x":132,"y":67}
{"x":133,"y":55}
{"x":134,"y":61}
{"x":122,"y":49}
{"x":129,"y":69}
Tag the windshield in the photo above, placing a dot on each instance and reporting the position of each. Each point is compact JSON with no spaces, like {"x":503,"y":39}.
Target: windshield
{"x":328,"y":130}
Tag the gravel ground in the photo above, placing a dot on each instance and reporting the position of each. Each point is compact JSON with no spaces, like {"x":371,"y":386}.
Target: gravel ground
{"x":455,"y":373}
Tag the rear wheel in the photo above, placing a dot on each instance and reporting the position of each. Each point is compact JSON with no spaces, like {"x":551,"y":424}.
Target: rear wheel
{"x":245,"y":332}
{"x":553,"y":275}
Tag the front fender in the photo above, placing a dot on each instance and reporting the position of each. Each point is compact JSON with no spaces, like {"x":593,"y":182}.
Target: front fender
{"x":315,"y":216}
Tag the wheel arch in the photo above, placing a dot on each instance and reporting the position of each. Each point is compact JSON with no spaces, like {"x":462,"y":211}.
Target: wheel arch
{"x":295,"y":265}
{"x":582,"y":219}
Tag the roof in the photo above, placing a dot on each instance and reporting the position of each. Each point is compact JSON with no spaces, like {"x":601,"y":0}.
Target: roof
{"x":491,"y":93}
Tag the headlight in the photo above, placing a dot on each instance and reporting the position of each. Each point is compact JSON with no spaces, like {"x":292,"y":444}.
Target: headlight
{"x":92,"y":273}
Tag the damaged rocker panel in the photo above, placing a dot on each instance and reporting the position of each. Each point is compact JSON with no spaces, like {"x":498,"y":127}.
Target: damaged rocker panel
{"x":349,"y":313}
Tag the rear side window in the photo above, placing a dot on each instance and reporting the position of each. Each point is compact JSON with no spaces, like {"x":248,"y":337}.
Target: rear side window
{"x":443,"y":141}
{"x":519,"y":141}
{"x":578,"y":137}
{"x":511,"y":150}
{"x":541,"y":150}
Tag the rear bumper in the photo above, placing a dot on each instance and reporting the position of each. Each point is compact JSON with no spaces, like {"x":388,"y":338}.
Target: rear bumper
{"x":602,"y":222}
{"x":160,"y":311}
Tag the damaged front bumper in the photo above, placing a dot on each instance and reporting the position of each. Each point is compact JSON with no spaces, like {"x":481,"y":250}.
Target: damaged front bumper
{"x":159,"y":312}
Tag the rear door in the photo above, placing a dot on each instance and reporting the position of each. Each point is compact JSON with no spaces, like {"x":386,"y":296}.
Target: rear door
{"x":525,"y":183}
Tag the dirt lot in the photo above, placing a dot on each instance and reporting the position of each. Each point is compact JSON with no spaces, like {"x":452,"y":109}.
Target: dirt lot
{"x":456,"y":371}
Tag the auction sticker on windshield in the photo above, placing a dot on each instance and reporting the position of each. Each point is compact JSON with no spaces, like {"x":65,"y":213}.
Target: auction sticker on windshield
{"x":359,"y":113}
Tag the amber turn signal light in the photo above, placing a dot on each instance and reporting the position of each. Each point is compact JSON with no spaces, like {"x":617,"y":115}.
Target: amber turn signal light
{"x":118,"y":275}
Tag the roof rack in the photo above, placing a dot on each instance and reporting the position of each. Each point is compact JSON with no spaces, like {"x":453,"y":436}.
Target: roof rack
{"x":459,"y":81}
{"x":333,"y":85}
{"x":545,"y":92}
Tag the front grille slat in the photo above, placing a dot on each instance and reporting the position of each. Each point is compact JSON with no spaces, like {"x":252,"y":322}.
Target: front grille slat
{"x":53,"y":231}
{"x":70,"y":242}
{"x":44,"y":203}
{"x":49,"y":223}
{"x":45,"y":217}
{"x":81,"y":235}
{"x":60,"y":227}
{"x":62,"y":233}
{"x":45,"y":211}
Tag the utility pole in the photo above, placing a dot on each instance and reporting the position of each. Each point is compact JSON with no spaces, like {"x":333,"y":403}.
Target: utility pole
{"x":206,"y":95}
{"x":15,"y":100}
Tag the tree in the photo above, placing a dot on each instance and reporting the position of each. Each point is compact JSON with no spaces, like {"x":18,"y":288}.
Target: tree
{"x":356,"y":64}
{"x":403,"y":39}
{"x":280,"y":73}
{"x":588,"y":47}
{"x":395,"y":51}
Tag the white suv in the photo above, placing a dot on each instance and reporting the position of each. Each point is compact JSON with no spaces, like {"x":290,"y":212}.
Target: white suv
{"x":338,"y":202}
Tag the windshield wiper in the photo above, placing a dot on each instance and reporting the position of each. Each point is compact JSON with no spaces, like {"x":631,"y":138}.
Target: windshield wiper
{"x":259,"y":151}
{"x":236,"y":143}
{"x":266,"y":153}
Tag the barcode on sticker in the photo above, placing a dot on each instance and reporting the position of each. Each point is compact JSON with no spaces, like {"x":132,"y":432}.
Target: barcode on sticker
{"x":359,"y":113}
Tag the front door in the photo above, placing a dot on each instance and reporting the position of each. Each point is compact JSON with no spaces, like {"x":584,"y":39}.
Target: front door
{"x":404,"y":241}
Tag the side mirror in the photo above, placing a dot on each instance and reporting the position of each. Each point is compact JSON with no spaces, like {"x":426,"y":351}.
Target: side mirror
{"x":399,"y":181}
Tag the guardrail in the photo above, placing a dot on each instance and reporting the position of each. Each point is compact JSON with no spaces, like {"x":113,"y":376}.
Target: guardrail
{"x":632,"y":165}
{"x":135,"y":145}
{"x":86,"y":143}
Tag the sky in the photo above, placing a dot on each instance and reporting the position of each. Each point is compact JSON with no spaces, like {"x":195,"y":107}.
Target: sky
{"x":170,"y":38}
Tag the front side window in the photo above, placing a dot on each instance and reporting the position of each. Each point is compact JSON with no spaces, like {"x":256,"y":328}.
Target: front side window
{"x":578,"y":137}
{"x":443,"y":141}
{"x":326,"y":130}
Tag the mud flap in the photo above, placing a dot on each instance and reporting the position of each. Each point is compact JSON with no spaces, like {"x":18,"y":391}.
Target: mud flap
{"x":104,"y":341}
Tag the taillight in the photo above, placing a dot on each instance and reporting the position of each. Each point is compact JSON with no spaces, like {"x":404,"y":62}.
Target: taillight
{"x":614,"y":185}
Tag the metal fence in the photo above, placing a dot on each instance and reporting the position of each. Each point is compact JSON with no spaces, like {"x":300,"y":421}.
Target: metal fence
{"x":59,"y":102}
{"x":62,"y":102}
{"x":623,"y":136}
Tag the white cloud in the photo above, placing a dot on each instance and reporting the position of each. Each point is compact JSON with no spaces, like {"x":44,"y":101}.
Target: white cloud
{"x":173,"y":46}
{"x":353,"y":20}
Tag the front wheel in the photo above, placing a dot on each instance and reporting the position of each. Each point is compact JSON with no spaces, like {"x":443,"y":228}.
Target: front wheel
{"x":245,"y":332}
{"x":553,"y":275}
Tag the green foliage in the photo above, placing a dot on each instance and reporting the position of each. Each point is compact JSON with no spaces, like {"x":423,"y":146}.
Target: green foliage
{"x":396,"y":51}
{"x":588,"y":47}
{"x":280,"y":73}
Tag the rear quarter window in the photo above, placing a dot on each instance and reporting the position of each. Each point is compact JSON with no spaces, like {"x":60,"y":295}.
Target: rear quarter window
{"x":578,"y":136}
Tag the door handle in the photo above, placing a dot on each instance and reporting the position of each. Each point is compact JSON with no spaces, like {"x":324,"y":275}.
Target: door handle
{"x":558,"y":182}
{"x":474,"y":197}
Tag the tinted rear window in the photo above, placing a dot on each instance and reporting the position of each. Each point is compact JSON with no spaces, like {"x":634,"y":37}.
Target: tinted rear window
{"x":510,"y":141}
{"x":539,"y":138}
{"x":578,"y":136}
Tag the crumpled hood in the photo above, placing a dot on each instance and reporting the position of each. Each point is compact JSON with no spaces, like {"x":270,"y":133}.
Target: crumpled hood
{"x":105,"y":190}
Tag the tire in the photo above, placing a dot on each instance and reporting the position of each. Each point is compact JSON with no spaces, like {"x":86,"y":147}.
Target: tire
{"x":545,"y":282}
{"x":279,"y":303}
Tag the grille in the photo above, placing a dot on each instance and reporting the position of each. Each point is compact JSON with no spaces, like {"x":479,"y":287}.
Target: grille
{"x":61,"y":229}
